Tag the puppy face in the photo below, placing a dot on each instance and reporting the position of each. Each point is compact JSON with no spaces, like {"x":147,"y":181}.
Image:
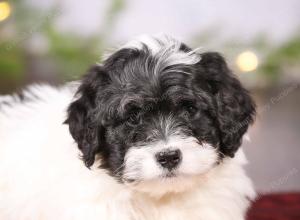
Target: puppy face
{"x":159,"y":115}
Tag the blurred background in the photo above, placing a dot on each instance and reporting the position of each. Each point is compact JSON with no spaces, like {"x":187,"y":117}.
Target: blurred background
{"x":57,"y":40}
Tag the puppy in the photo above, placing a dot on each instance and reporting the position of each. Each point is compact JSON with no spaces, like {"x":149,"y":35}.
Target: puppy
{"x":152,"y":133}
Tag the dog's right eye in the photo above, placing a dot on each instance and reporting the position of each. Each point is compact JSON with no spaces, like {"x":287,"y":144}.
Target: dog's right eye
{"x":133,"y":117}
{"x":132,"y":120}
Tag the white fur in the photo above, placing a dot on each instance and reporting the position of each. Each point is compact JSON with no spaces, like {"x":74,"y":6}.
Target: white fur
{"x":166,"y":49}
{"x":42,"y":177}
{"x":140,"y":164}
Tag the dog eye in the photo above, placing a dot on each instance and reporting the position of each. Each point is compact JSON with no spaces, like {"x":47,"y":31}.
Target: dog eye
{"x":133,"y":117}
{"x":133,"y":120}
{"x":191,"y":109}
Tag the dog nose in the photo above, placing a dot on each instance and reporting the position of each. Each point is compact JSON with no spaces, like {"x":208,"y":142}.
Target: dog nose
{"x":169,"y":159}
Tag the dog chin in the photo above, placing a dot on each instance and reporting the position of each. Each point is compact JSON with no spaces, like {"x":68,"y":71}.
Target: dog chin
{"x":165,"y":184}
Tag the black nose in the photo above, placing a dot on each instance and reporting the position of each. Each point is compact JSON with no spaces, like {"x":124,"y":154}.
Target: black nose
{"x":169,"y":159}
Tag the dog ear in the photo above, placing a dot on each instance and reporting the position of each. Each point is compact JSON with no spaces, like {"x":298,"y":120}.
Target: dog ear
{"x":235,"y":110}
{"x":83,"y":120}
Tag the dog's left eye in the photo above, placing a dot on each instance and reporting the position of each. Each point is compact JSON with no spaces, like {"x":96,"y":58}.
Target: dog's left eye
{"x":192,"y":110}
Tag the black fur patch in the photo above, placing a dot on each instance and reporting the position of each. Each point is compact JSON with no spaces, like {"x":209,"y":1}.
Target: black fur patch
{"x":122,"y":102}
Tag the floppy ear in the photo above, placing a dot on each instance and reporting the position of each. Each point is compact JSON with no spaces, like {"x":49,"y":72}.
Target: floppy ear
{"x":83,"y":120}
{"x":235,"y":110}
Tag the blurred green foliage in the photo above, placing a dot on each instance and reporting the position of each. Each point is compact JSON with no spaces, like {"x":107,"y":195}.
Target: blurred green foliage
{"x":277,"y":58}
{"x":69,"y":55}
{"x":11,"y":63}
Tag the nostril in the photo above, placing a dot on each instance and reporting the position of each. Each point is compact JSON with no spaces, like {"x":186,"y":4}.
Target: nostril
{"x":174,"y":155}
{"x":161,"y":158}
{"x":169,"y":159}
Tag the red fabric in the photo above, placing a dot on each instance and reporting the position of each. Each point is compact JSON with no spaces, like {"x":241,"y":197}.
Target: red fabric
{"x":276,"y":207}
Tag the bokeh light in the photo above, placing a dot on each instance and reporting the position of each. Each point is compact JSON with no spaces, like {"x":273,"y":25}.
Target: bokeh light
{"x":5,"y":10}
{"x":247,"y":61}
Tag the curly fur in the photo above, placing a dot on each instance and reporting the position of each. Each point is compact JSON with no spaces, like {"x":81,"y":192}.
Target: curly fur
{"x":152,"y":95}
